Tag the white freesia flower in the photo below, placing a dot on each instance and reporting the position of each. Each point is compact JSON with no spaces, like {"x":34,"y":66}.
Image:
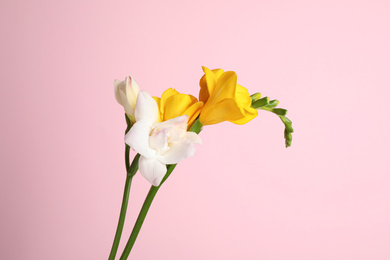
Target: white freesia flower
{"x":158,"y":144}
{"x":126,"y":93}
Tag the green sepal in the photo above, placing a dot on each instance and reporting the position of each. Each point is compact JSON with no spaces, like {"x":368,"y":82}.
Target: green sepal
{"x":127,"y":152}
{"x":265,"y":104}
{"x":128,"y":122}
{"x":132,"y":170}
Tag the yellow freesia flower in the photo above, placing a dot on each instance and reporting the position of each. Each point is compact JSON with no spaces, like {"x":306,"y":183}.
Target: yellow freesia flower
{"x":224,"y":99}
{"x":173,"y":104}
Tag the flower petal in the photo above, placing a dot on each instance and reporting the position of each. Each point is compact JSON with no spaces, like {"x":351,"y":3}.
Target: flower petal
{"x":165,"y":95}
{"x":158,"y":140}
{"x":128,"y":109}
{"x":177,"y":104}
{"x":160,"y":114}
{"x":244,"y":100}
{"x":225,"y":87}
{"x":179,"y":122}
{"x":225,"y":110}
{"x":138,"y":138}
{"x":193,"y":137}
{"x":178,"y":151}
{"x":118,"y":85}
{"x":153,"y":170}
{"x":249,"y":115}
{"x":193,"y":113}
{"x":146,"y":108}
{"x":132,"y":90}
{"x":207,"y":83}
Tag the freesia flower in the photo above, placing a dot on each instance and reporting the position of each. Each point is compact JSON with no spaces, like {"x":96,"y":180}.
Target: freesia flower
{"x":173,"y":104}
{"x":224,"y":99}
{"x":126,"y":94}
{"x":158,"y":144}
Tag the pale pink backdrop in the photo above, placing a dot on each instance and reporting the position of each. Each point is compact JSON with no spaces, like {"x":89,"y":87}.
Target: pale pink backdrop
{"x":243,"y":196}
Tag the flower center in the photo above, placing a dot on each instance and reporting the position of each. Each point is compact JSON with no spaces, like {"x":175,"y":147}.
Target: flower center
{"x":158,"y":140}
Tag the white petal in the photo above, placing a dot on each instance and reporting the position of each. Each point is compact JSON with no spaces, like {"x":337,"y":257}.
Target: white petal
{"x":179,"y":122}
{"x":117,"y":86}
{"x":175,"y":127}
{"x":158,"y":140}
{"x":153,"y":170}
{"x":193,"y":138}
{"x":125,"y":104}
{"x":178,"y":151}
{"x":146,"y":108}
{"x":138,"y":138}
{"x":132,"y":90}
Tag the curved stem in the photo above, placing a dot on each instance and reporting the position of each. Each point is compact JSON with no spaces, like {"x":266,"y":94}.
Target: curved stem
{"x":131,"y":170}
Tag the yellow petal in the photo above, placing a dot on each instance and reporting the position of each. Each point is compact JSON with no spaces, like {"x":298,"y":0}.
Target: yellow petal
{"x":177,"y":104}
{"x":225,"y":110}
{"x":249,"y":115}
{"x":193,"y":112}
{"x":174,"y":104}
{"x":242,"y":96}
{"x":208,"y":82}
{"x":225,"y":87}
{"x":167,"y":93}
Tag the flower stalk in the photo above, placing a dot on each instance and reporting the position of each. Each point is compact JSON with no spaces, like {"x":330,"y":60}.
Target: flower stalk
{"x":130,"y":172}
{"x":140,"y":220}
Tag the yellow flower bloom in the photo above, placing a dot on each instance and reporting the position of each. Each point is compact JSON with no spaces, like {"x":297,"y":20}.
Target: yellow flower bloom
{"x":224,"y":99}
{"x":173,"y":104}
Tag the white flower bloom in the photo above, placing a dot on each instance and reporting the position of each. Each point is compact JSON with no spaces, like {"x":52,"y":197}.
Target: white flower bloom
{"x":159,"y":144}
{"x":126,"y":93}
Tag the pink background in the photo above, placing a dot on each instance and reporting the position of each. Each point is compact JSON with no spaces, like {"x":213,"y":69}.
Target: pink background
{"x":243,"y":196}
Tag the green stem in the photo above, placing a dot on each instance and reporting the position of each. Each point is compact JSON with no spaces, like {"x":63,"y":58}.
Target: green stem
{"x":140,"y":220}
{"x":131,"y":170}
{"x":121,"y":220}
{"x":141,"y":217}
